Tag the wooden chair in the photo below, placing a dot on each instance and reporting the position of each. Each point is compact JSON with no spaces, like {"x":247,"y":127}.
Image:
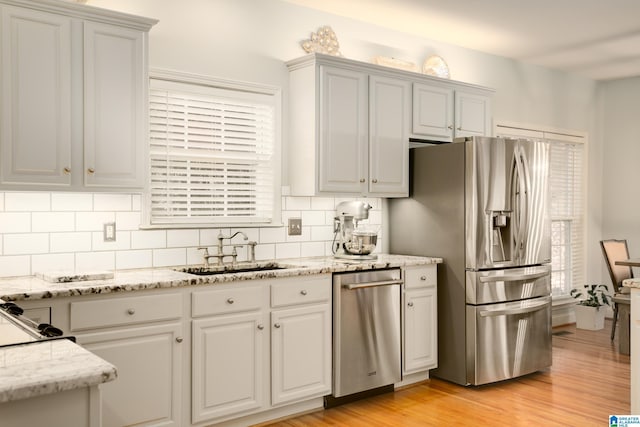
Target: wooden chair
{"x":617,"y":250}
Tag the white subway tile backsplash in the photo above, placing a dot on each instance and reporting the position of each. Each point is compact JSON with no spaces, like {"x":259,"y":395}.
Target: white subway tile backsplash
{"x":15,"y":266}
{"x":70,"y":242}
{"x":13,"y":222}
{"x":112,"y":202}
{"x":309,"y":249}
{"x":128,"y":220}
{"x":297,"y":203}
{"x":25,"y":244}
{"x":182,"y":238}
{"x":48,"y":222}
{"x":148,"y":239}
{"x":93,"y":221}
{"x":169,"y":257}
{"x":65,"y":230}
{"x":52,"y":262}
{"x":122,"y":242}
{"x":272,"y":235}
{"x":134,"y":259}
{"x":287,"y":250}
{"x":27,"y":202}
{"x":95,"y":261}
{"x":71,"y":202}
{"x":313,"y":218}
{"x":322,"y":203}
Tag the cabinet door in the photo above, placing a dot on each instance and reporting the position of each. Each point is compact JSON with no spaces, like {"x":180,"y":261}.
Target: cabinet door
{"x":301,"y":353}
{"x":389,"y":127}
{"x":148,"y":359}
{"x":473,"y":114}
{"x":35,"y":119}
{"x":115,"y":106}
{"x":420,"y":330}
{"x":228,"y":365}
{"x":433,"y":112}
{"x":343,"y":140}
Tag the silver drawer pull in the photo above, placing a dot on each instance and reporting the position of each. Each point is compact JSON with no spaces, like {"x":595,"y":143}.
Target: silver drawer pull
{"x":261,"y":326}
{"x":178,"y":339}
{"x":230,"y":301}
{"x":423,"y":278}
{"x":410,"y":303}
{"x":303,"y":292}
{"x":131,"y":311}
{"x":277,"y":325}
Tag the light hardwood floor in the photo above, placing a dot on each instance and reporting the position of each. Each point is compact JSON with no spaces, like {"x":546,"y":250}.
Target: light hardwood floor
{"x":588,"y":381}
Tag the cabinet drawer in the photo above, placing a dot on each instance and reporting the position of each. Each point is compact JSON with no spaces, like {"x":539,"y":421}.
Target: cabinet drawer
{"x":421,"y":277}
{"x":301,"y":291}
{"x":230,"y":300}
{"x":102,"y":313}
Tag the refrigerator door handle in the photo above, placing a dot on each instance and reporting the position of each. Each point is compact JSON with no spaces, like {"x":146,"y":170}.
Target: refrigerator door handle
{"x":512,"y":278}
{"x":511,"y":311}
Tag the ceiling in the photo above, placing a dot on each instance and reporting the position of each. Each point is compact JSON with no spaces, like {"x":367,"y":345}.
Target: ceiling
{"x":595,"y":38}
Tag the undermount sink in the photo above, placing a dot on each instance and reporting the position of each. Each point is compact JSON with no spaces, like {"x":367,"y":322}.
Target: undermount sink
{"x":230,"y":269}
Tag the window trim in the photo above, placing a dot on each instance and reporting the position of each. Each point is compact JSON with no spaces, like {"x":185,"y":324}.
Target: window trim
{"x":220,"y":83}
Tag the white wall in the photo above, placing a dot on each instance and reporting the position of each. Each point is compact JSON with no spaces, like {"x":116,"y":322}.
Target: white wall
{"x":620,"y":104}
{"x":249,"y":40}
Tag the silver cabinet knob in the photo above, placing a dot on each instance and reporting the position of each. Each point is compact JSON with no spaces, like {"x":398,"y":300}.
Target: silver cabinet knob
{"x":131,"y":311}
{"x":459,"y":128}
{"x":362,"y":179}
{"x":179,"y":339}
{"x":410,"y":303}
{"x":91,"y":171}
{"x":230,"y":301}
{"x":277,"y":325}
{"x":375,"y":181}
{"x":66,"y":171}
{"x":450,"y":127}
{"x":423,"y":278}
{"x":303,"y":292}
{"x":261,"y":326}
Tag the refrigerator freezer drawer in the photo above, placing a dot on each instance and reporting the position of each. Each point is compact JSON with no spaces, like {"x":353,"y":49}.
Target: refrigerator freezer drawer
{"x":508,"y":340}
{"x":494,"y":286}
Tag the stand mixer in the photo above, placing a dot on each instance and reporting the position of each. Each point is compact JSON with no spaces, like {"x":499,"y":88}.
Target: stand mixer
{"x":349,"y":241}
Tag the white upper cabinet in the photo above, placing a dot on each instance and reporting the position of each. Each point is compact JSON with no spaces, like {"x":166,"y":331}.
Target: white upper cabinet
{"x":114,"y":107}
{"x":350,"y":124}
{"x":74,"y":96}
{"x":36,"y":97}
{"x":442,"y":113}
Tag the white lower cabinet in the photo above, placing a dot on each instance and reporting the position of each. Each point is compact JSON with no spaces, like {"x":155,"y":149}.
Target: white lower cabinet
{"x":420,"y":317}
{"x":301,"y":353}
{"x":147,"y":391}
{"x":228,"y":365}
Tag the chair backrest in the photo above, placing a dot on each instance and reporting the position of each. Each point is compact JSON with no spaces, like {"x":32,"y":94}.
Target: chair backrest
{"x":616,"y":250}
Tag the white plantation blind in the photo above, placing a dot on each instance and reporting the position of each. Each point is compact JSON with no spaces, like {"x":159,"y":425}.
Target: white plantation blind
{"x":566,"y":186}
{"x":211,"y":154}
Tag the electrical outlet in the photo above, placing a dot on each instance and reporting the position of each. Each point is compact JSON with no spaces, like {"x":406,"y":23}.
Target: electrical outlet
{"x":109,"y":232}
{"x":295,"y":226}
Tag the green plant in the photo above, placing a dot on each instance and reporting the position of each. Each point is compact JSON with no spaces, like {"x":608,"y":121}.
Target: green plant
{"x":596,"y":295}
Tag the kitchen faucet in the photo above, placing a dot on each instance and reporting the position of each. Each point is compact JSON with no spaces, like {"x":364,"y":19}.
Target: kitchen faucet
{"x":220,"y":255}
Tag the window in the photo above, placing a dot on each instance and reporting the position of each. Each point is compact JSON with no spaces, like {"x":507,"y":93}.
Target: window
{"x":567,"y":209}
{"x":213,"y":152}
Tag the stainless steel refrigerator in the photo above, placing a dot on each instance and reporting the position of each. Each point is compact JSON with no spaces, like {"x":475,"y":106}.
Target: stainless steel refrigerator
{"x":482,"y":204}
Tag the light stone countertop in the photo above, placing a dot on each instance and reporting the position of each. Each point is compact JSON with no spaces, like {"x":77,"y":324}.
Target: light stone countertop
{"x":44,"y":367}
{"x":33,"y":288}
{"x":50,"y":366}
{"x":631,"y":283}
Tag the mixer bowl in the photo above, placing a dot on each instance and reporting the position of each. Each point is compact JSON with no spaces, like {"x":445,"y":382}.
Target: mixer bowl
{"x":362,"y":243}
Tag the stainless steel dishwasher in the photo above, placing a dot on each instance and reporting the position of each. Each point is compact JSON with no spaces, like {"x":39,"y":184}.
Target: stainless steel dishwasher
{"x":366,"y":331}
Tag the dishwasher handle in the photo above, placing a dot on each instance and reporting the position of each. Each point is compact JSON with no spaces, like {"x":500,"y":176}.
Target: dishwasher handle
{"x":372,"y":284}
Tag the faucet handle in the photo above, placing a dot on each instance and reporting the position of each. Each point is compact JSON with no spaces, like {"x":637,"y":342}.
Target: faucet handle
{"x":252,"y":250}
{"x":205,"y":255}
{"x":205,"y":249}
